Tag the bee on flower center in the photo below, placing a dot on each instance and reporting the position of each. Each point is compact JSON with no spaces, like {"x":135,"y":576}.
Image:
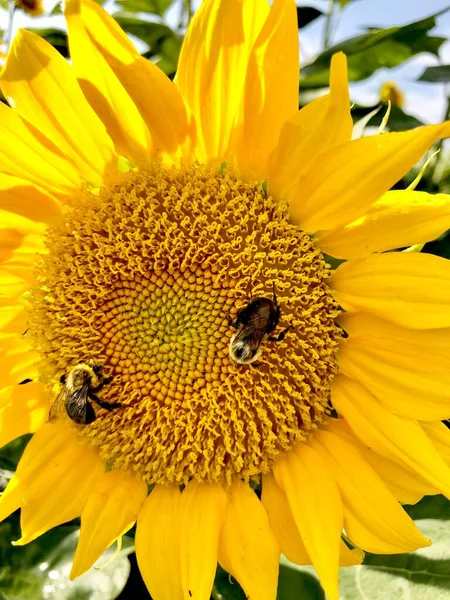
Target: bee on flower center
{"x":254,"y":322}
{"x":79,"y":386}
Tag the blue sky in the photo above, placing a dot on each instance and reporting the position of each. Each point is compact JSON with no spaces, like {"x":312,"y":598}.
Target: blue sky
{"x":426,"y":101}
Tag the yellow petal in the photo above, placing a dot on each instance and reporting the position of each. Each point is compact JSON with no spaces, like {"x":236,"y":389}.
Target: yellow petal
{"x":282,"y":522}
{"x":44,"y":445}
{"x":101,"y":86}
{"x":403,"y":483}
{"x":202,"y":514}
{"x":23,"y":409}
{"x":392,"y":436}
{"x":56,"y":490}
{"x":213,"y":65}
{"x":20,"y":238}
{"x":345,"y":181}
{"x":14,"y":281}
{"x":373,"y":518}
{"x":29,"y":155}
{"x":407,"y":370}
{"x":283,"y":525}
{"x":316,"y":505}
{"x":55,"y":480}
{"x":350,"y":556}
{"x":271,"y":88}
{"x":18,"y":360}
{"x":162,"y":109}
{"x":39,"y":83}
{"x":411,"y":289}
{"x":157,"y":543}
{"x":13,"y":317}
{"x":247,"y":546}
{"x":321,"y":125}
{"x":399,"y":218}
{"x":19,"y":196}
{"x":439,"y":434}
{"x":111,"y":510}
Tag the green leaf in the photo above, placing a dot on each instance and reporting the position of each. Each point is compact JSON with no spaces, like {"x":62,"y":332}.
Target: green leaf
{"x":11,"y":453}
{"x":430,"y":507}
{"x":343,"y":3}
{"x":226,"y":587}
{"x":56,"y":37}
{"x":420,"y":575}
{"x":441,"y":247}
{"x":295,"y":584}
{"x":156,"y":7}
{"x":379,"y":48}
{"x":41,"y":569}
{"x":170,"y":53}
{"x":306,"y":15}
{"x":440,"y":74}
{"x":153,"y":34}
{"x":398,"y":119}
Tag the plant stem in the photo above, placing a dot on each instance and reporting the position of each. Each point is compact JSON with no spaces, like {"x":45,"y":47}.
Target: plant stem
{"x":440,"y":143}
{"x":188,"y":11}
{"x":328,"y":24}
{"x":12,"y":10}
{"x":215,"y":595}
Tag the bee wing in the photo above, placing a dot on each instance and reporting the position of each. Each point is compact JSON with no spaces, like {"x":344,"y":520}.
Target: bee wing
{"x":78,"y":406}
{"x":253,"y":332}
{"x":59,"y":404}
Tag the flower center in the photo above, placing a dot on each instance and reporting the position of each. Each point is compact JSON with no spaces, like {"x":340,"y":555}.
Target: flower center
{"x":141,"y":280}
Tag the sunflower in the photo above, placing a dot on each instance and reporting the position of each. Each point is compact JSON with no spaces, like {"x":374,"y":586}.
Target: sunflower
{"x":140,"y":216}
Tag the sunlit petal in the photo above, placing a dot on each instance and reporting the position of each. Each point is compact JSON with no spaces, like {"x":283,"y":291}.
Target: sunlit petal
{"x":411,"y":289}
{"x":247,"y":546}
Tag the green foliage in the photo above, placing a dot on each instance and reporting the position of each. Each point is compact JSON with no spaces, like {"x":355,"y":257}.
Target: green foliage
{"x":420,"y":575}
{"x":156,"y":7}
{"x":161,"y":40}
{"x":378,"y":48}
{"x":11,"y":453}
{"x":398,"y":119}
{"x":227,"y":587}
{"x":295,"y":583}
{"x":343,"y":3}
{"x":440,"y":74}
{"x":41,"y":569}
{"x":430,"y":507}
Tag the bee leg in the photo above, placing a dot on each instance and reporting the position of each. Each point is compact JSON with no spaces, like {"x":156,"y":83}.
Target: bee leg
{"x":102,"y":384}
{"x":90,"y":415}
{"x":280,"y":337}
{"x":231,"y":323}
{"x":102,"y":403}
{"x":62,"y":379}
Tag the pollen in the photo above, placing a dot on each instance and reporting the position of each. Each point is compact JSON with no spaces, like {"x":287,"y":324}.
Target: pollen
{"x":142,"y":278}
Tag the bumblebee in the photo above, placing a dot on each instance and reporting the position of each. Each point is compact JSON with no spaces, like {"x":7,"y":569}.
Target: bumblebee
{"x":81,"y":384}
{"x":254,"y":322}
